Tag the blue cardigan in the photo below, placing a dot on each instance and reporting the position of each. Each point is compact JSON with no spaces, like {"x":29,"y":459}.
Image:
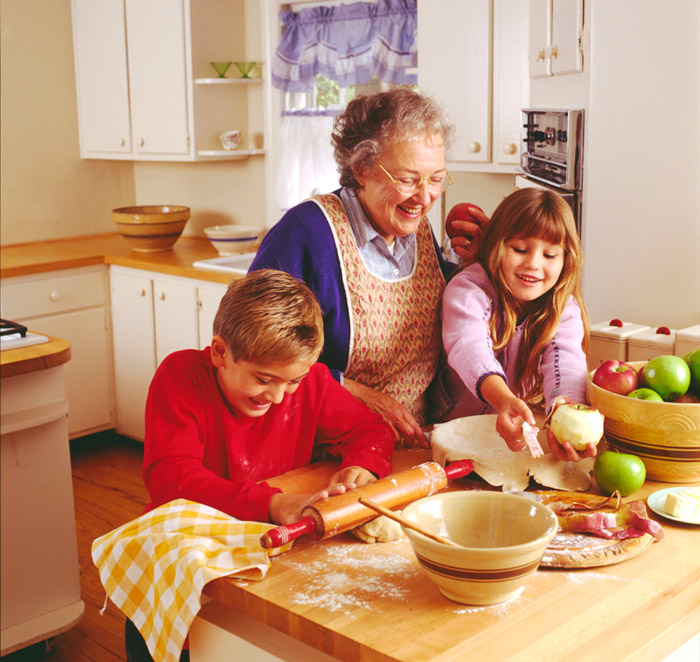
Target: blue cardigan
{"x":301,"y":243}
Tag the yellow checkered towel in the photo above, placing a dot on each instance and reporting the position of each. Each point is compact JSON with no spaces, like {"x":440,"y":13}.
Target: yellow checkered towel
{"x":154,"y":568}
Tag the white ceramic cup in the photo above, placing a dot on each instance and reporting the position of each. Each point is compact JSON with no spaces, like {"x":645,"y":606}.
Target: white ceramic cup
{"x":231,"y":139}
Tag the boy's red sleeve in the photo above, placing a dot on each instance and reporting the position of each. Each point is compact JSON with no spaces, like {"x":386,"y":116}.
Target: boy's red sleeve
{"x":353,"y":431}
{"x":174,"y":449}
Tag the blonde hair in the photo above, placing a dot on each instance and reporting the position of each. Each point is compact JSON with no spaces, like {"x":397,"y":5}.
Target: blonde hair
{"x":270,"y":317}
{"x":373,"y":123}
{"x":546,"y":215}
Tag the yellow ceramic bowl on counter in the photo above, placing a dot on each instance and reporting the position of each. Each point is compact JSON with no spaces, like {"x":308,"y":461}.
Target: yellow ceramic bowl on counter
{"x":665,"y":435}
{"x":502,"y":536}
{"x":151,"y":228}
{"x":233,"y":239}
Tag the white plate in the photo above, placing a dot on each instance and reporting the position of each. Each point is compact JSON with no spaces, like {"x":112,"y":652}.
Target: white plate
{"x":657,"y":500}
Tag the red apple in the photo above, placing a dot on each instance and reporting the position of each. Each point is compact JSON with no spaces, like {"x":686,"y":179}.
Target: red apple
{"x":688,"y":399}
{"x":460,"y":212}
{"x":616,"y":377}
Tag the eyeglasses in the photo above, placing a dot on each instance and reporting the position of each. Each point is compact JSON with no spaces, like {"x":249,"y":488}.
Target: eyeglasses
{"x":411,"y":185}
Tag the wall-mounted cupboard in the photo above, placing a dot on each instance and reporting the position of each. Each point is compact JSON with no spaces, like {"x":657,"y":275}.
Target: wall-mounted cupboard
{"x":143,"y":79}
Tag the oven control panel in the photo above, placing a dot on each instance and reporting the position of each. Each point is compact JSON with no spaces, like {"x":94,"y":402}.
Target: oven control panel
{"x":552,"y":147}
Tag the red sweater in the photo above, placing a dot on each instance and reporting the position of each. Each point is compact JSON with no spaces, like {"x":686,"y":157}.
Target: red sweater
{"x":197,"y":449}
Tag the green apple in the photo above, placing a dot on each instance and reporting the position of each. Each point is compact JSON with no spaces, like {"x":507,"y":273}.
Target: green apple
{"x":645,"y":394}
{"x":668,"y":375}
{"x":693,"y":361}
{"x":619,"y":471}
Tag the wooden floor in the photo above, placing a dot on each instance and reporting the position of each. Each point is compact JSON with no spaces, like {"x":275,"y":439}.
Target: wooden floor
{"x":108,"y":492}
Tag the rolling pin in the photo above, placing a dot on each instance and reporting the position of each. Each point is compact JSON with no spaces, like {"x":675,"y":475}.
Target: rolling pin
{"x":343,"y":512}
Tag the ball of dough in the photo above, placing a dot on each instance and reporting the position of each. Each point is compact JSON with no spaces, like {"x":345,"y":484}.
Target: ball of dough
{"x":380,"y":529}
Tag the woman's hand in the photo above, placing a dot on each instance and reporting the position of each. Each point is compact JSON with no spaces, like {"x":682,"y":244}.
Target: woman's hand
{"x":567,"y":452}
{"x":465,"y":225}
{"x":406,"y":427}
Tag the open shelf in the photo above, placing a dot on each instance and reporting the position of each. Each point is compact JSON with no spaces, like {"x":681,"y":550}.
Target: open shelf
{"x":227,"y":81}
{"x":228,"y":155}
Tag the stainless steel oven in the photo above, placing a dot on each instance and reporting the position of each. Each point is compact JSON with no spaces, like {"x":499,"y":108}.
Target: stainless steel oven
{"x":551,"y":154}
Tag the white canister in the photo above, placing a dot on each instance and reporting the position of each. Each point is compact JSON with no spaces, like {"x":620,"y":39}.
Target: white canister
{"x":687,"y":340}
{"x":609,"y":341}
{"x":648,"y":344}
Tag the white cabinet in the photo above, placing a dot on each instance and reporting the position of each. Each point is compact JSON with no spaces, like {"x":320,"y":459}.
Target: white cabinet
{"x":556,"y":37}
{"x":153,"y":315}
{"x":472,"y":58}
{"x":71,"y":304}
{"x":137,"y":65}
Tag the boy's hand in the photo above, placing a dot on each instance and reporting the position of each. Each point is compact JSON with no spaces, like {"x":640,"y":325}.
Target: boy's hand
{"x":350,"y":478}
{"x":286,"y":508}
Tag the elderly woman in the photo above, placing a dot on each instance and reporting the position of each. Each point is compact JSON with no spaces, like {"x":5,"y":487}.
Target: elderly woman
{"x":368,"y":253}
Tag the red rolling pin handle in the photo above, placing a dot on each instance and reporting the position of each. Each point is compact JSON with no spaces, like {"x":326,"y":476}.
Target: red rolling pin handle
{"x":283,"y":534}
{"x":458,"y":469}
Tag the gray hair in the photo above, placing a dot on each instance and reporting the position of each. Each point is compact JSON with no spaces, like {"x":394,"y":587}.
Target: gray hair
{"x":372,"y":123}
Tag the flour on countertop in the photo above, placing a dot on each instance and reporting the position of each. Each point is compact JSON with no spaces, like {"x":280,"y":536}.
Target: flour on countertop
{"x":358,"y":577}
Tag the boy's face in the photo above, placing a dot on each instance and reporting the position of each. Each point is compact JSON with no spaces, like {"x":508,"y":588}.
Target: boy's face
{"x":252,"y":388}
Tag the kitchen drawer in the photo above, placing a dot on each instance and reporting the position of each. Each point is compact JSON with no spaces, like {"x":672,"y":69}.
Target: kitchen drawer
{"x":34,"y":296}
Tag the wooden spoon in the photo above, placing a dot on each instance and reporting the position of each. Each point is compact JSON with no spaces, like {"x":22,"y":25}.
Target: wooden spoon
{"x":411,"y":525}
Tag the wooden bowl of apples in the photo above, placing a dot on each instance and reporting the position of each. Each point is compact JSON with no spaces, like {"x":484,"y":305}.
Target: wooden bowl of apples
{"x":665,"y":435}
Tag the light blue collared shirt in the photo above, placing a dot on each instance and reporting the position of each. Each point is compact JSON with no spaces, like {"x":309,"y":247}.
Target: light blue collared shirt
{"x":379,"y":259}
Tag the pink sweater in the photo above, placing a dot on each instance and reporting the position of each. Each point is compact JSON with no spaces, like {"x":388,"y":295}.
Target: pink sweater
{"x":466,"y":309}
{"x":198,"y":449}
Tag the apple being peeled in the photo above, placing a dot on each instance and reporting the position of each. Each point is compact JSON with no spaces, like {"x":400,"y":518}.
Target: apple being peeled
{"x":616,"y":377}
{"x":577,"y":423}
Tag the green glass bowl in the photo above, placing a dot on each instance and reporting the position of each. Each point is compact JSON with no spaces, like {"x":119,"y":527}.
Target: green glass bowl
{"x":221,"y":68}
{"x":245,"y":68}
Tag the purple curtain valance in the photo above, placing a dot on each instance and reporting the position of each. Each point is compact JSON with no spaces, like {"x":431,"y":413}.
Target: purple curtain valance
{"x":348,"y":44}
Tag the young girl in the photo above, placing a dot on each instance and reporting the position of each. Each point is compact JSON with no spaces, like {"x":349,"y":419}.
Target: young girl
{"x":515,"y":326}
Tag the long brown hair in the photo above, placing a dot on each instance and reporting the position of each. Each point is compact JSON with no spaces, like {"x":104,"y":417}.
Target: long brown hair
{"x":546,"y":215}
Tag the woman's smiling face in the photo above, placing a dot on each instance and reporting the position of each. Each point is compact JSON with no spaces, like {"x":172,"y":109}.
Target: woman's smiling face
{"x":391,"y":213}
{"x":531,"y":266}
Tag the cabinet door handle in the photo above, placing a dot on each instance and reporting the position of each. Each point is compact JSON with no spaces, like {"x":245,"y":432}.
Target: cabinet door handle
{"x":54,"y":296}
{"x":161,"y":295}
{"x":540,"y":54}
{"x":142,"y":142}
{"x":510,"y":148}
{"x":474,"y":147}
{"x":141,"y":291}
{"x":555,"y":51}
{"x":122,"y":142}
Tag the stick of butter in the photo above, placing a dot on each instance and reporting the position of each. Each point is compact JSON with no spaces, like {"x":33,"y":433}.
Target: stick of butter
{"x":684,"y":504}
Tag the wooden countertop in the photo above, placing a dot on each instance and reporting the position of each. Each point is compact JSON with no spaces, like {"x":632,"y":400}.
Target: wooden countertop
{"x":39,"y":257}
{"x":45,"y":355}
{"x":356,"y":601}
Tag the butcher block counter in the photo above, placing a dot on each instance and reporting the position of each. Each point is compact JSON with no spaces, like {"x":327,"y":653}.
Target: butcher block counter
{"x":347,"y":600}
{"x":111,"y":249}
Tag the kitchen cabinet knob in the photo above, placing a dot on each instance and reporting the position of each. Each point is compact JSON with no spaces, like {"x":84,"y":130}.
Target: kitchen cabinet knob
{"x":142,"y":142}
{"x":474,"y":147}
{"x":540,"y":54}
{"x":122,"y":142}
{"x":510,"y":148}
{"x":555,"y":51}
{"x":142,"y":291}
{"x":161,"y":295}
{"x":54,"y":296}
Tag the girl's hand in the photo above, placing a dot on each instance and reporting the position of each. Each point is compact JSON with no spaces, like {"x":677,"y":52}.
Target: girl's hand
{"x":351,"y":477}
{"x":405,"y":426}
{"x":465,"y":225}
{"x":509,"y":423}
{"x":567,"y":452}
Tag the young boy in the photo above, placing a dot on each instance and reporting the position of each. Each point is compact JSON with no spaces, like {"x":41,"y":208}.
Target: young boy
{"x":221,"y":420}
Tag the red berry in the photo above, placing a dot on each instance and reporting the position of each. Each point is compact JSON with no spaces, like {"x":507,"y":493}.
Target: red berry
{"x":664,"y":330}
{"x":616,"y":322}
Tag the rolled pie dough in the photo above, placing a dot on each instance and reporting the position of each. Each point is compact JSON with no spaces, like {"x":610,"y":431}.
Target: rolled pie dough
{"x":380,"y":529}
{"x":475,"y":438}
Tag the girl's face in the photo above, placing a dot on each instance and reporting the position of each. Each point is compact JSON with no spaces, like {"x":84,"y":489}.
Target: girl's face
{"x":531,"y":266}
{"x":392,"y":213}
{"x":252,"y":388}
